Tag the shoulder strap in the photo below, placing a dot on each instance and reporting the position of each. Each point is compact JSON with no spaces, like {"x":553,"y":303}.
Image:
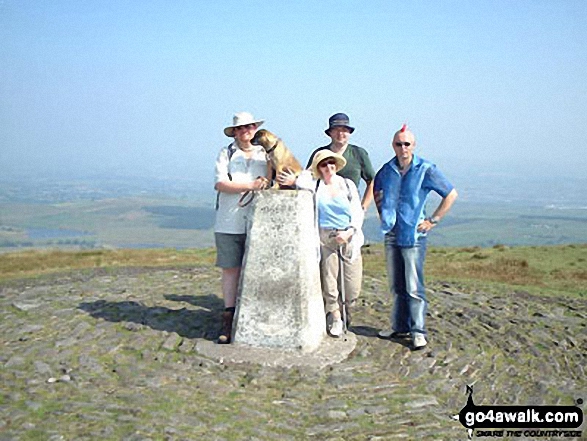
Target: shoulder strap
{"x":358,"y":155}
{"x":230,"y":150}
{"x":361,"y":159}
{"x":348,"y":189}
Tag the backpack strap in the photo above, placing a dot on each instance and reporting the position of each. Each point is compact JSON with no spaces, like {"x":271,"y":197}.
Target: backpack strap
{"x":230,"y":151}
{"x":348,"y":189}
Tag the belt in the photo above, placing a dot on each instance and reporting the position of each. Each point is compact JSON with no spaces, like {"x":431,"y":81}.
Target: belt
{"x":333,"y":231}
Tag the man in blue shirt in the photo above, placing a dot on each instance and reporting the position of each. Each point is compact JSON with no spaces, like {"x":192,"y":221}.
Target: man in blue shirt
{"x":401,"y":188}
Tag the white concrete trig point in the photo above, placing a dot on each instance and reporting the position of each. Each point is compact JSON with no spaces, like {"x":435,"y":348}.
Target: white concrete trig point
{"x":279,"y":319}
{"x":280,"y":302}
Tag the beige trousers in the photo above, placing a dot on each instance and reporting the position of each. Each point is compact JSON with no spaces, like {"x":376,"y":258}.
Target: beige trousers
{"x":329,"y":269}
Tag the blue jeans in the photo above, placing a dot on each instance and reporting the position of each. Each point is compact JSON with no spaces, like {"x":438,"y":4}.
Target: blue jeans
{"x":405,"y":274}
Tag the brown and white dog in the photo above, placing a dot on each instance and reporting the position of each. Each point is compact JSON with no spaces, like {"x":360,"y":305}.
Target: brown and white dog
{"x":279,"y":155}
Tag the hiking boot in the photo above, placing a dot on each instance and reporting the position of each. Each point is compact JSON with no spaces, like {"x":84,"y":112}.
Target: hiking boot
{"x":336,"y":328}
{"x":390,"y":334}
{"x":225,"y":334}
{"x":329,"y":320}
{"x":419,"y":341}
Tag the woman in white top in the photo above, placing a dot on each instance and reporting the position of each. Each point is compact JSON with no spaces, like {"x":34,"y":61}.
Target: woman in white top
{"x":240,"y":167}
{"x":340,"y":218}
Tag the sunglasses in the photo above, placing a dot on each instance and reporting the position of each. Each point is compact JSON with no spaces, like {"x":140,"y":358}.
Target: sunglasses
{"x":327,"y":163}
{"x":246,"y":127}
{"x":403,"y":144}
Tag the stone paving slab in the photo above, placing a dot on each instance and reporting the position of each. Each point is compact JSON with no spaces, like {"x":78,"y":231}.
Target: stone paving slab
{"x":330,"y":351}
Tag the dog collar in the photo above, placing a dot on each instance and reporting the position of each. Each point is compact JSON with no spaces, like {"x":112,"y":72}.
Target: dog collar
{"x":274,"y":147}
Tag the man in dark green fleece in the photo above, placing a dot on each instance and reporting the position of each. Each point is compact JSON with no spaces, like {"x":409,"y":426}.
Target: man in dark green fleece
{"x":358,"y":165}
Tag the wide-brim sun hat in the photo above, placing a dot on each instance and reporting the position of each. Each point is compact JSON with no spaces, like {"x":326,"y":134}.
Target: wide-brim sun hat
{"x":339,"y":120}
{"x":321,"y":156}
{"x":241,"y":119}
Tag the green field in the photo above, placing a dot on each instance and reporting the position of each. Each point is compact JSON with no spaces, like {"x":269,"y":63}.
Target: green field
{"x":118,"y":223}
{"x":470,"y":224}
{"x":146,"y":222}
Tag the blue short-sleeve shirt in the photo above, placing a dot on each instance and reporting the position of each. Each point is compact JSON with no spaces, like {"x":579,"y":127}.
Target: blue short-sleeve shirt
{"x":403,"y":205}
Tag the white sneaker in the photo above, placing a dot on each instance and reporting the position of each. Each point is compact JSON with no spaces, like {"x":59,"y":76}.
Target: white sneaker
{"x":391,"y":334}
{"x":336,"y":329}
{"x":419,"y":341}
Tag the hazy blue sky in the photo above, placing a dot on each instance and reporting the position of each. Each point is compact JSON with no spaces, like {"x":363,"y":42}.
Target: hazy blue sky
{"x":146,"y":87}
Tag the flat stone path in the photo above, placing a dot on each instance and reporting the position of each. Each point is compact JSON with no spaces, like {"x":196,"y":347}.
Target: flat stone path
{"x":113,"y":355}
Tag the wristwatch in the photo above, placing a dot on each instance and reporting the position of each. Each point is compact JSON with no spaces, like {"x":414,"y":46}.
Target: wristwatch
{"x":433,"y":220}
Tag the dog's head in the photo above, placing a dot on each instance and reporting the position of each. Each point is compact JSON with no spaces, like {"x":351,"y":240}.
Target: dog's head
{"x":264,"y":138}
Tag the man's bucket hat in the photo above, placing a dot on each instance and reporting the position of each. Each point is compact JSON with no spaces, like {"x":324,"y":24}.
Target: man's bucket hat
{"x":339,"y":120}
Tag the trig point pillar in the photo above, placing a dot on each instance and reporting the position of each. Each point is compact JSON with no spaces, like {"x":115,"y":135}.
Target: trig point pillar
{"x":280,"y":303}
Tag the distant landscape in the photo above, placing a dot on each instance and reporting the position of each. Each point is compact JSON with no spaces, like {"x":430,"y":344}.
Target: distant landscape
{"x":140,"y":212}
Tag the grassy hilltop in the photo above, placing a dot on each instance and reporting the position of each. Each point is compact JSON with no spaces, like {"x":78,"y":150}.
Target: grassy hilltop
{"x":546,"y":269}
{"x":101,"y":344}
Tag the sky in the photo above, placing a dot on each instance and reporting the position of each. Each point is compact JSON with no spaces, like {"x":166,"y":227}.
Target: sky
{"x":145,"y":88}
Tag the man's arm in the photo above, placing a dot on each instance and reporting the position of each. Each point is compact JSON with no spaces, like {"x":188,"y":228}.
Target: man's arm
{"x":367,"y":196}
{"x":440,"y":212}
{"x":378,"y":192}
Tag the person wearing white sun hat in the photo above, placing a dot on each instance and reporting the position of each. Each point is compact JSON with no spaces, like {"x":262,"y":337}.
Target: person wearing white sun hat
{"x":240,"y":167}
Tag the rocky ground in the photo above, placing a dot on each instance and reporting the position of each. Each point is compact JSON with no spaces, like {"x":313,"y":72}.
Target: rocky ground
{"x":111,"y":355}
